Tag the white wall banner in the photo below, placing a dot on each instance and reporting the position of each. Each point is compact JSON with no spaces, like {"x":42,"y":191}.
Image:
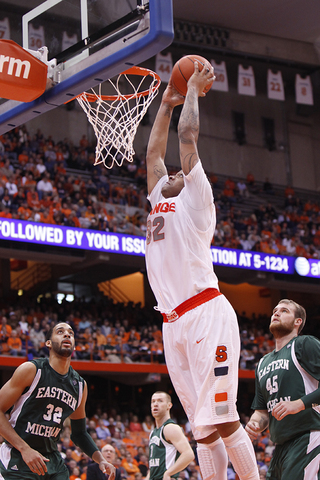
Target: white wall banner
{"x":275,"y":85}
{"x":246,"y":81}
{"x":164,"y":66}
{"x":36,"y":37}
{"x":68,"y":41}
{"x":221,"y":82}
{"x":304,"y":92}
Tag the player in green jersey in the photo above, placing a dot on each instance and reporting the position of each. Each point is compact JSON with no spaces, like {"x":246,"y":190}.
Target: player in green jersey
{"x":288,"y":396}
{"x":43,"y":393}
{"x":169,"y":449}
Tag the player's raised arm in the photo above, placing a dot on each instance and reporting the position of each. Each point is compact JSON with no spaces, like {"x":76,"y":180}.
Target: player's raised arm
{"x":188,"y":128}
{"x":157,"y":145}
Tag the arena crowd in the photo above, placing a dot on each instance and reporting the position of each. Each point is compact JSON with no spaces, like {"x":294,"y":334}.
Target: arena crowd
{"x":55,"y":182}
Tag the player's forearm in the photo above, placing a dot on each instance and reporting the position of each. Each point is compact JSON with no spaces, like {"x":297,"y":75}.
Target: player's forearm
{"x":158,"y":139}
{"x":189,"y":123}
{"x":97,"y":456}
{"x":181,"y":463}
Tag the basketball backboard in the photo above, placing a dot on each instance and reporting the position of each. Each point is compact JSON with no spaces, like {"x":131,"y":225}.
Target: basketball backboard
{"x":88,"y":42}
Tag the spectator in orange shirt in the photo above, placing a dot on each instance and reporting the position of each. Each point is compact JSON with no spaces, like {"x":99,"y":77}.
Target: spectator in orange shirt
{"x":46,"y":217}
{"x":76,"y":475}
{"x":45,"y":202}
{"x":24,"y":212}
{"x":156,"y":333}
{"x":266,"y":245}
{"x":14,"y":344}
{"x":55,"y":205}
{"x":6,"y":213}
{"x":66,"y":210}
{"x":132,"y":334}
{"x":135,"y":425}
{"x":100,"y":338}
{"x":5,"y":330}
{"x":130,"y":465}
{"x":33,"y":198}
{"x":213,"y":178}
{"x":23,"y":157}
{"x":30,"y":182}
{"x":228,"y":193}
{"x":229,"y":184}
{"x":156,"y":349}
{"x":112,"y":337}
{"x":68,"y":185}
{"x":289,"y":191}
{"x":84,"y":142}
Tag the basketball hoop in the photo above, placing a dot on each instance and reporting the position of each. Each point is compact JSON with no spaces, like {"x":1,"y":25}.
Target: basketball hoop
{"x":115,"y":118}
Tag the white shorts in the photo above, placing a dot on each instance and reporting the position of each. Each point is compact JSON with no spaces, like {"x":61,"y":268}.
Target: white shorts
{"x":202,"y":351}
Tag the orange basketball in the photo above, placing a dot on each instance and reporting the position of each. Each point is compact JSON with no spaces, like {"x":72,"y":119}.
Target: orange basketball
{"x":183,"y":70}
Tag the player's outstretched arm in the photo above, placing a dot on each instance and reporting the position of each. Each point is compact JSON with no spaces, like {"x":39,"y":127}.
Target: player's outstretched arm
{"x":174,"y":434}
{"x":258,"y":422}
{"x":157,"y":145}
{"x":189,"y":125}
{"x":9,"y":395}
{"x":82,"y":439}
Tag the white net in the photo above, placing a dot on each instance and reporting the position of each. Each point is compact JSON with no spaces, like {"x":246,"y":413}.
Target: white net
{"x":115,"y":118}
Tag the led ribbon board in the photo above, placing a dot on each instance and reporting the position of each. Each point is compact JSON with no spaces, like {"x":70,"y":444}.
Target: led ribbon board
{"x":61,"y":236}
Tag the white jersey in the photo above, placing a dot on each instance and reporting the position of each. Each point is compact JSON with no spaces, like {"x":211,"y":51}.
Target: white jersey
{"x":180,"y":231}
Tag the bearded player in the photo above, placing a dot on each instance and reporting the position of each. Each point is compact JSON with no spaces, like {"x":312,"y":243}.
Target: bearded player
{"x":288,"y":396}
{"x":43,"y":393}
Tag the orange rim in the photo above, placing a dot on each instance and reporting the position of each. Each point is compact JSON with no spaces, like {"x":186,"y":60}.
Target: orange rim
{"x":91,"y":97}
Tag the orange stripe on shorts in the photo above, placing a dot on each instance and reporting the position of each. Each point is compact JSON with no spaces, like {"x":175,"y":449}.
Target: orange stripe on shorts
{"x":221,"y":397}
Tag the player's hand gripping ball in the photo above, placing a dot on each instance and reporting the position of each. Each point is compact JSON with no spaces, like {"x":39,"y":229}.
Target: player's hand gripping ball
{"x":183,"y":70}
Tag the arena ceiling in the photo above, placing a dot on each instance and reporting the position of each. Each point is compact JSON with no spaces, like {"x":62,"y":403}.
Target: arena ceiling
{"x":290,"y":19}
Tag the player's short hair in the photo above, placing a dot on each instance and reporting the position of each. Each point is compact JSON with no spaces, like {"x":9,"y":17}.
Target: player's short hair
{"x":164,"y":393}
{"x":299,"y":312}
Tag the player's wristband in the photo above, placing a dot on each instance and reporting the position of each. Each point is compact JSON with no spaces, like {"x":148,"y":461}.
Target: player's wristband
{"x":81,"y":437}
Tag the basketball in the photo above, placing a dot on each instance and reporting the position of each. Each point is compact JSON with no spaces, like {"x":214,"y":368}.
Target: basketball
{"x":183,"y":70}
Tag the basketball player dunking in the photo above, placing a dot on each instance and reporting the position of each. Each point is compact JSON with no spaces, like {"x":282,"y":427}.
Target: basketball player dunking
{"x":200,"y":330}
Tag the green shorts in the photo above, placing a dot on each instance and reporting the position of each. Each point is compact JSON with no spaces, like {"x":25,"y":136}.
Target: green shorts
{"x":13,"y":467}
{"x":297,"y":459}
